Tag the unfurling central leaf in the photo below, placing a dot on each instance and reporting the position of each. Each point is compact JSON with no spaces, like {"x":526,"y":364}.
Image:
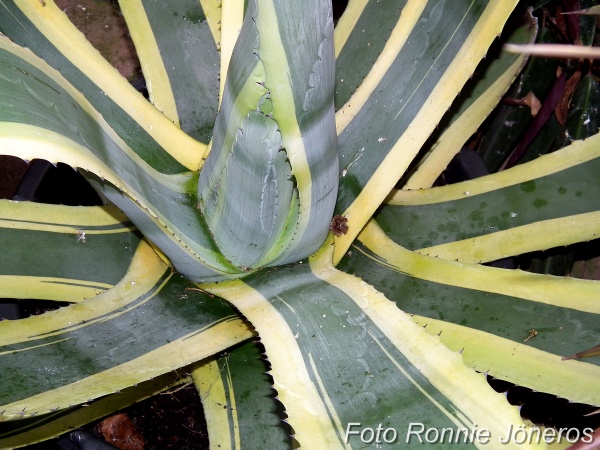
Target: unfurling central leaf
{"x":269,"y":184}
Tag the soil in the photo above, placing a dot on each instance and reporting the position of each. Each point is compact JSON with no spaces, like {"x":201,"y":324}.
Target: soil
{"x":103,"y":25}
{"x":168,"y":421}
{"x":11,"y":171}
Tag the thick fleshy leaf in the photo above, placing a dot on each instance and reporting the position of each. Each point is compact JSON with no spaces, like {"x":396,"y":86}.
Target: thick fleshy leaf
{"x":433,"y":48}
{"x":239,"y":402}
{"x":356,"y":357}
{"x":78,"y":252}
{"x":343,"y":356}
{"x":178,"y":53}
{"x":581,"y":122}
{"x":556,"y":190}
{"x":45,"y":29}
{"x":358,"y":44}
{"x":269,"y":183}
{"x":481,"y":95}
{"x":231,"y":22}
{"x":491,"y":314}
{"x":42,"y":115}
{"x":150,"y":323}
{"x":46,"y":426}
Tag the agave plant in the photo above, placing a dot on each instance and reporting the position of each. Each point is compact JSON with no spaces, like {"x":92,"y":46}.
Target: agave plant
{"x":275,"y":196}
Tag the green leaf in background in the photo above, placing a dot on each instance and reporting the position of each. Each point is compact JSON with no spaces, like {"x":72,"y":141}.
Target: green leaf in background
{"x":508,"y":122}
{"x":583,"y":118}
{"x":587,"y":22}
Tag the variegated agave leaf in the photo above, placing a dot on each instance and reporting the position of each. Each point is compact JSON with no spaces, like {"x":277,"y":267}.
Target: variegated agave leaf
{"x":341,"y":350}
{"x":274,"y":145}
